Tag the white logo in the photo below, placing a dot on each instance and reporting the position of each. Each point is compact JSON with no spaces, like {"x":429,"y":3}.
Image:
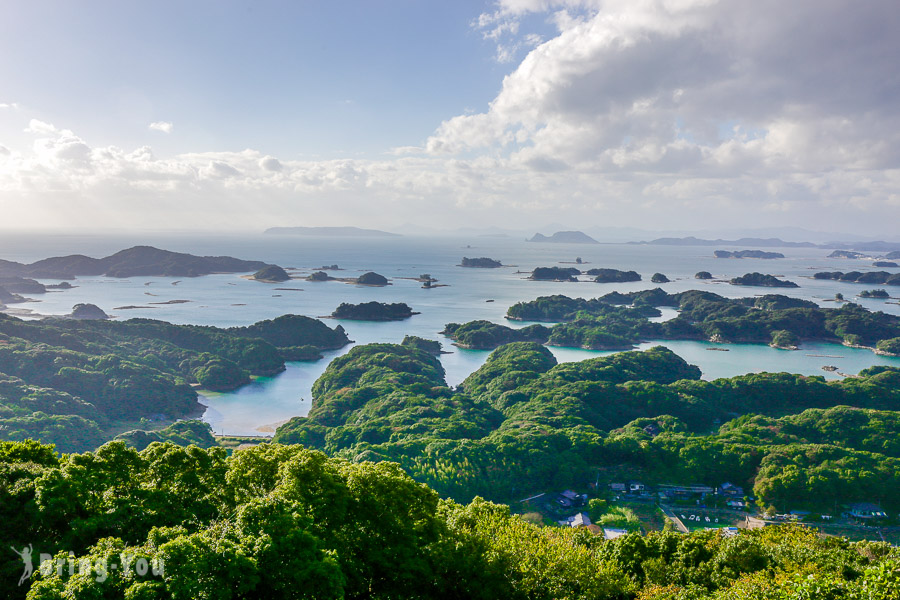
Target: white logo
{"x":25,"y":555}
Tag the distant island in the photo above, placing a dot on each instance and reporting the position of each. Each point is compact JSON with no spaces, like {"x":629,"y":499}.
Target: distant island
{"x":555,"y":274}
{"x":613,"y":275}
{"x":373,"y":311}
{"x":564,"y":237}
{"x":330,"y":231}
{"x":480,"y":263}
{"x":87,"y":312}
{"x":372,"y":278}
{"x":885,"y":264}
{"x":703,"y":275}
{"x":659,"y":278}
{"x":846,"y":254}
{"x":876,"y":277}
{"x":874,"y":294}
{"x":145,"y":261}
{"x":747,"y":254}
{"x":271,"y":274}
{"x":878,"y":246}
{"x":760,"y":280}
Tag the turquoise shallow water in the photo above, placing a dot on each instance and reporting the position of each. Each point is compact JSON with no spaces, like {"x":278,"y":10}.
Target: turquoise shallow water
{"x":227,"y":300}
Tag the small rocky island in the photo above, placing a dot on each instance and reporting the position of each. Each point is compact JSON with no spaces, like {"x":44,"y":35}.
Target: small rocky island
{"x":271,"y":274}
{"x":659,"y":278}
{"x":747,"y":254}
{"x":373,"y":311}
{"x":480,"y":263}
{"x":885,"y":264}
{"x":564,"y":237}
{"x":87,"y":312}
{"x":761,"y":280}
{"x":874,"y":294}
{"x":703,"y":275}
{"x":372,"y":278}
{"x":319,"y":276}
{"x":613,"y":275}
{"x":555,"y":274}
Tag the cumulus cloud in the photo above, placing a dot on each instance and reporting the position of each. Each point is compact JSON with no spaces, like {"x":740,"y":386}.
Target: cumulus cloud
{"x":163,"y":126}
{"x":634,"y":112}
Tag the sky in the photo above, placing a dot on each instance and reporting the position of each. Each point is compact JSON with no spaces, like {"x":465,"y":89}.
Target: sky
{"x":657,"y":114}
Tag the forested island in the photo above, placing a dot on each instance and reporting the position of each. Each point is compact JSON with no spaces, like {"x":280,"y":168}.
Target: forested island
{"x":870,"y":277}
{"x":145,"y":261}
{"x":619,"y":321}
{"x":555,"y":274}
{"x":70,"y":381}
{"x":271,"y":274}
{"x":373,"y":311}
{"x":761,"y":280}
{"x":747,"y":254}
{"x":613,"y":275}
{"x":480,"y":263}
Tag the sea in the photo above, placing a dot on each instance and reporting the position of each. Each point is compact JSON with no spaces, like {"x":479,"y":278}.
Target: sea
{"x":461,"y":295}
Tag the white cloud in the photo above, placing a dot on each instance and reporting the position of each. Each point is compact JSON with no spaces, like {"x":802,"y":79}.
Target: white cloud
{"x":163,"y":126}
{"x":8,"y":106}
{"x":657,"y":113}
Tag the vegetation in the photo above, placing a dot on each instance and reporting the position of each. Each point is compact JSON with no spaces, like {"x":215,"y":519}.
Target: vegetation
{"x":66,"y":381}
{"x":430,"y":346}
{"x":373,"y":311}
{"x":372,"y":278}
{"x":287,"y":522}
{"x":760,"y":280}
{"x":870,"y":277}
{"x":874,"y":294}
{"x":271,"y":273}
{"x":613,"y":275}
{"x":480,"y":263}
{"x":621,"y":320}
{"x":659,"y":278}
{"x":555,"y":274}
{"x":891,"y":346}
{"x":319,"y":276}
{"x":87,"y":312}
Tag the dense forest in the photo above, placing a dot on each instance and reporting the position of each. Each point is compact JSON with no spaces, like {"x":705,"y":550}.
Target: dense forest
{"x":67,"y":382}
{"x":619,"y":321}
{"x":522,"y":424}
{"x":281,"y":522}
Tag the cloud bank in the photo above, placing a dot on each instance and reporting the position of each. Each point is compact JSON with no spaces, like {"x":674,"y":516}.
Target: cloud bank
{"x":655,"y":113}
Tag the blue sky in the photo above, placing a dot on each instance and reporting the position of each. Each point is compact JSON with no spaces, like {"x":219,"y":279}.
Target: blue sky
{"x":658,"y":114}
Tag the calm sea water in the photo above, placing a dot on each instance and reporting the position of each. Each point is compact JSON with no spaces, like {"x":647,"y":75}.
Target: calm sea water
{"x":227,"y":300}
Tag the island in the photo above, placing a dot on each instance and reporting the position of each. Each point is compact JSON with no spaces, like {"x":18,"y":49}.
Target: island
{"x":748,"y":254}
{"x":874,"y":294}
{"x":564,"y":237}
{"x":893,"y":255}
{"x":618,"y":320}
{"x":890,"y":347}
{"x":760,"y":280}
{"x":613,"y":275}
{"x":480,"y":263}
{"x":372,"y":278}
{"x":703,"y":275}
{"x":659,"y":278}
{"x":144,"y":261}
{"x":849,"y":254}
{"x":271,"y":274}
{"x":373,"y":311}
{"x":21,"y":285}
{"x":87,"y":312}
{"x":329,"y":231}
{"x":871,"y":277}
{"x":885,"y":264}
{"x":78,"y":382}
{"x":319,"y":276}
{"x":555,"y":274}
{"x":432,"y":347}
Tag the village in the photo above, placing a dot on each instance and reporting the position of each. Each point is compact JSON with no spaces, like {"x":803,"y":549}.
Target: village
{"x":618,"y":508}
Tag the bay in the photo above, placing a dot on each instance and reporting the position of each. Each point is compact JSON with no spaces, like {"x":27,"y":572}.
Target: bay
{"x":228,"y":300}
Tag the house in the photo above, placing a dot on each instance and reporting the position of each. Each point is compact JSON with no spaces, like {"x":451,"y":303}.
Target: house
{"x":652,"y":430}
{"x":730,"y":490}
{"x":569,"y":499}
{"x":682,"y":492}
{"x":866,"y":511}
{"x":617,"y":487}
{"x":578,"y":520}
{"x":611,"y":533}
{"x":635,"y":487}
{"x":736,"y":504}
